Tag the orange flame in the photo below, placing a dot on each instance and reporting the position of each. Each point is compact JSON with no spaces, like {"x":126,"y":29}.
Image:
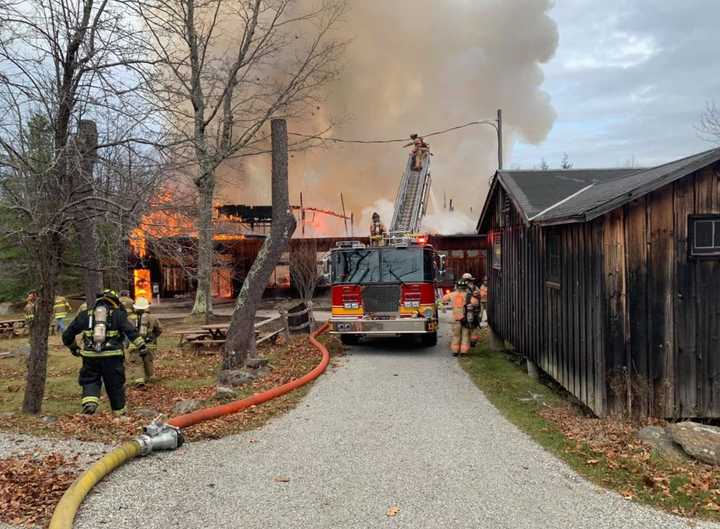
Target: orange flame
{"x":162,"y":220}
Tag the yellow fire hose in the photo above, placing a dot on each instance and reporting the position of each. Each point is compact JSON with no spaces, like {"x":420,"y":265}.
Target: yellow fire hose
{"x":70,"y":502}
{"x":168,"y":436}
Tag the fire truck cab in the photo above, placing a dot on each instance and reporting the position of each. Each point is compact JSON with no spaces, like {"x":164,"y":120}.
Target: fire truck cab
{"x":384,"y":290}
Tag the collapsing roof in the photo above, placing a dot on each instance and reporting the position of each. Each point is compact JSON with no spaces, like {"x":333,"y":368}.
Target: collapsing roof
{"x":567,"y":196}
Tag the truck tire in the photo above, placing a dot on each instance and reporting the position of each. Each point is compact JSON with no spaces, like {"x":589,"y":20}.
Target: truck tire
{"x":350,"y":339}
{"x":429,"y":340}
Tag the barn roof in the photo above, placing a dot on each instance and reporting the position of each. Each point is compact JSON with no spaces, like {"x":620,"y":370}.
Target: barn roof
{"x":565,"y":196}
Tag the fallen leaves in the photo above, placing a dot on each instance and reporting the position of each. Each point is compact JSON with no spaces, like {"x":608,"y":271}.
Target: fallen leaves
{"x":32,"y":484}
{"x":182,"y":375}
{"x":392,"y":511}
{"x":623,"y":463}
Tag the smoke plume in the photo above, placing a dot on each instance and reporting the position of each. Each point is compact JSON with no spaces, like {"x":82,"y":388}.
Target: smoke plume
{"x":420,"y":66}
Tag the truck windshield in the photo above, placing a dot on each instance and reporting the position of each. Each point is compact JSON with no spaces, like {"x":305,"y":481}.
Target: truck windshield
{"x":406,"y":265}
{"x":356,"y":266}
{"x":386,"y":265}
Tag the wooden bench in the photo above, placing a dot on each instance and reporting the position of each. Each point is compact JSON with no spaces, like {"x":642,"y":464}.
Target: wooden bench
{"x":270,"y":336}
{"x":190,"y":335}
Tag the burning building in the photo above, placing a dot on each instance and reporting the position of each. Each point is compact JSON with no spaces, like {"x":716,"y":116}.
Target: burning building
{"x":164,"y":254}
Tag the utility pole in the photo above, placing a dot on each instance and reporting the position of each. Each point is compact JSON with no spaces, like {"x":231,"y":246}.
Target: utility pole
{"x":500,"y":139}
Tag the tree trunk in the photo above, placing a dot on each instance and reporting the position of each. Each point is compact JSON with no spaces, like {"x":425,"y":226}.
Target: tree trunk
{"x":86,"y":227}
{"x":206,"y":245}
{"x":240,"y":344}
{"x":47,"y":253}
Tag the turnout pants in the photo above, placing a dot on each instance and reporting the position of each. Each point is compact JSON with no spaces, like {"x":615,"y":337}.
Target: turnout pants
{"x":460,"y":338}
{"x":475,"y":333}
{"x":109,"y":371}
{"x":145,"y":374}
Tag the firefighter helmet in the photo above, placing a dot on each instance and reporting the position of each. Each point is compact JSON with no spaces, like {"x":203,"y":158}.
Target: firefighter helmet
{"x":111,"y":296}
{"x":141,"y":304}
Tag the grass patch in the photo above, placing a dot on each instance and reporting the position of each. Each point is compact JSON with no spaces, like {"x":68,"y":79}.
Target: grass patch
{"x":604,"y":451}
{"x":180,"y":375}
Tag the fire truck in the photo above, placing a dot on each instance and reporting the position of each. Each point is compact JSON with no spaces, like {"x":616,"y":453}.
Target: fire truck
{"x":389,"y":288}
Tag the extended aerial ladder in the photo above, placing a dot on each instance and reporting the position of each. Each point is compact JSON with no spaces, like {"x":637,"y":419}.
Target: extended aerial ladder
{"x":411,"y":199}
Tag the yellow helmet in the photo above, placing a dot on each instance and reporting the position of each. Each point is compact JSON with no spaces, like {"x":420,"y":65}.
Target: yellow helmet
{"x":141,"y":304}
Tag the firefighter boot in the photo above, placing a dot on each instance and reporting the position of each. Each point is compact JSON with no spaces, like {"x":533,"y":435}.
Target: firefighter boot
{"x":89,"y":408}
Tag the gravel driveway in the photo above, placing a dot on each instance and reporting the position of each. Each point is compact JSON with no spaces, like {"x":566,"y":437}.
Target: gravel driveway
{"x":391,"y":427}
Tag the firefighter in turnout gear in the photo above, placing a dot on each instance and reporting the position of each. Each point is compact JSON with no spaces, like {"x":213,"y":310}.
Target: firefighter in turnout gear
{"x":377,"y":231}
{"x":148,"y":326}
{"x":463,"y":303}
{"x":420,"y":151}
{"x":60,"y":311}
{"x":103,"y":328}
{"x":475,"y":330}
{"x":126,"y":301}
{"x":30,"y":303}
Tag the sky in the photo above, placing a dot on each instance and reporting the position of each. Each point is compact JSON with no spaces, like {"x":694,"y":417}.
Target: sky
{"x":628,"y":82}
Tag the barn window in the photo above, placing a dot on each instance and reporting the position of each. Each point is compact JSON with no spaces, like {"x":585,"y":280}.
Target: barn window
{"x":553,"y":249}
{"x":705,"y":236}
{"x":497,"y":250}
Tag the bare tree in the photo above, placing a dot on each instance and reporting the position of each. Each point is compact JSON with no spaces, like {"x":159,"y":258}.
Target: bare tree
{"x":544,"y":166}
{"x":304,"y":269}
{"x":240,"y":343}
{"x":63,"y":63}
{"x":709,"y":126}
{"x":231,"y":66}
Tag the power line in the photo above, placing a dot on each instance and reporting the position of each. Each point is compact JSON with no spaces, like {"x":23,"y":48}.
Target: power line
{"x":395,"y":140}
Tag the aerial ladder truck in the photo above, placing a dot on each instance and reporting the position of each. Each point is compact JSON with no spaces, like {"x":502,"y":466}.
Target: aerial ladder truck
{"x":389,"y":288}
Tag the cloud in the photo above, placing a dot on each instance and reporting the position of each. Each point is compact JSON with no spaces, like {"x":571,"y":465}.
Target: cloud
{"x":629,"y":81}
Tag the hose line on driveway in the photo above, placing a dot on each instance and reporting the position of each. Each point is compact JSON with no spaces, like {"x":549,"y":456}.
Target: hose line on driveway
{"x":168,"y":436}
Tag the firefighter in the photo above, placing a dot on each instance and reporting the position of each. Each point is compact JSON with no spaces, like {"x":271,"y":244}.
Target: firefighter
{"x":30,"y":302}
{"x":463,"y":304}
{"x":60,"y":311}
{"x":126,"y":301}
{"x":148,"y":326}
{"x":476,"y":292}
{"x":419,"y":152}
{"x":483,"y":298}
{"x":377,"y":230}
{"x":103,"y":328}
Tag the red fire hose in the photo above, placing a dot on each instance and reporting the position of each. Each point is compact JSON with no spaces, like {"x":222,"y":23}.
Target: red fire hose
{"x":167,"y":438}
{"x":183,"y":421}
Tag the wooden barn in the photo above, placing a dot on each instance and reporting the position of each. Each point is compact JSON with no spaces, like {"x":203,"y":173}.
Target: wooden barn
{"x":609,"y":281}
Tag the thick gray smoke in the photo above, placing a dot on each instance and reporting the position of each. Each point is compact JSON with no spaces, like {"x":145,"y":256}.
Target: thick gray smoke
{"x":419,"y":66}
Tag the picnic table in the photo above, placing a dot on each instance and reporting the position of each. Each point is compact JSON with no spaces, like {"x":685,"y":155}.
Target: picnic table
{"x":9,"y":328}
{"x":217,"y":331}
{"x":215,"y":334}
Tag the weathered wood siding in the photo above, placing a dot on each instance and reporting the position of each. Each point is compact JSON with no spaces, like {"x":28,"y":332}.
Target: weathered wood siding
{"x":558,"y":325}
{"x":633,"y":322}
{"x":670,"y":365}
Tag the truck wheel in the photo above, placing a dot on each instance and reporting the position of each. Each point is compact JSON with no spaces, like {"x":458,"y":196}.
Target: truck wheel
{"x":350,"y":339}
{"x":429,"y":339}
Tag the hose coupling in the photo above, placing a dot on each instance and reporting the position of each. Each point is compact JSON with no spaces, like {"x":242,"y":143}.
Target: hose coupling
{"x":159,"y":435}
